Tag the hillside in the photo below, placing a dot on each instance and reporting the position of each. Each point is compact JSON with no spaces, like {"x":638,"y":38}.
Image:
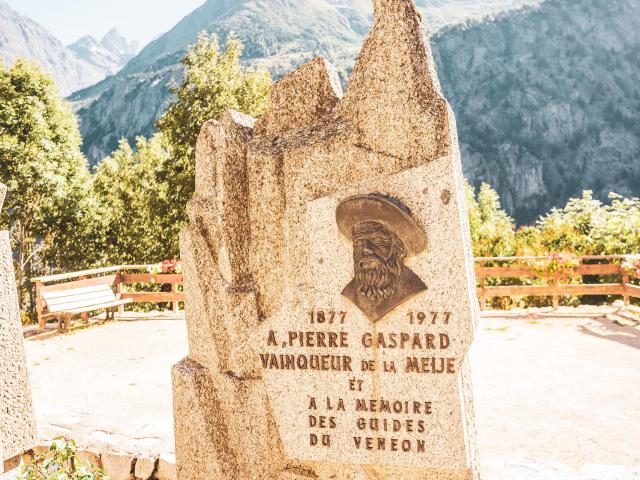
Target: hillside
{"x":547,"y":102}
{"x":544,"y":96}
{"x":21,"y":37}
{"x":278,"y":35}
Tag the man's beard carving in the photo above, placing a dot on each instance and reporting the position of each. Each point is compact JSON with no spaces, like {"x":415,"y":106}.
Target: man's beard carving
{"x":376,"y":278}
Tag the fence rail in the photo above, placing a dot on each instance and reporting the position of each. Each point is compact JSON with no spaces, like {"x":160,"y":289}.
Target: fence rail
{"x":552,"y":282}
{"x":119,"y":277}
{"x":123,"y":276}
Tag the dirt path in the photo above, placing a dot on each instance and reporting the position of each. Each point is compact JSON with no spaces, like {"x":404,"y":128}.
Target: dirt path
{"x":556,"y":398}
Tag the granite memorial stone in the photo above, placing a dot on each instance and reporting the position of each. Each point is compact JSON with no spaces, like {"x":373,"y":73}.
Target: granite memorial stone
{"x":329,"y":282}
{"x":17,"y":424}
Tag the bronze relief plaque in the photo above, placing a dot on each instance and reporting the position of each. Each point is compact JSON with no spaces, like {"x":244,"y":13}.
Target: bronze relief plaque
{"x":383,"y":234}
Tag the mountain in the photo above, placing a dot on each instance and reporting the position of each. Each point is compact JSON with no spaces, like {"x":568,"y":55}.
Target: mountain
{"x":278,"y":35}
{"x":21,"y":37}
{"x":109,"y":54}
{"x":547,"y":101}
{"x":545,"y":95}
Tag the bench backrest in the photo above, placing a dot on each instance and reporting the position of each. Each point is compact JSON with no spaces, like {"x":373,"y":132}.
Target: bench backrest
{"x":80,"y":294}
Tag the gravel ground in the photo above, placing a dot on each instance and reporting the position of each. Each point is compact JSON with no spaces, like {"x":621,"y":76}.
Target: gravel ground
{"x":557,"y":397}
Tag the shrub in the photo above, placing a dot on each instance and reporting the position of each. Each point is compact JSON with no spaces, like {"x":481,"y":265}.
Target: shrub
{"x":60,"y":463}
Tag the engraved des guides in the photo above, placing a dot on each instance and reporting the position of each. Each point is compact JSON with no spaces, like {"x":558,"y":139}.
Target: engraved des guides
{"x":383,"y":234}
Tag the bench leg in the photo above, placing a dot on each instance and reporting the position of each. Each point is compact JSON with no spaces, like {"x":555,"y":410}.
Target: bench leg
{"x":63,"y":323}
{"x":67,"y":323}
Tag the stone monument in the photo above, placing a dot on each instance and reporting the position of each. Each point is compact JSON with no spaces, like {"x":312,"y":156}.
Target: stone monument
{"x":17,"y":424}
{"x":330,"y":293}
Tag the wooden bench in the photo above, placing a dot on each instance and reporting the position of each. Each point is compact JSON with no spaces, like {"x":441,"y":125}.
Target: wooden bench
{"x":66,"y":300}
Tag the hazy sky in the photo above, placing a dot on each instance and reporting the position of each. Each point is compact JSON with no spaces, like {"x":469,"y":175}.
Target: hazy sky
{"x":140,"y":20}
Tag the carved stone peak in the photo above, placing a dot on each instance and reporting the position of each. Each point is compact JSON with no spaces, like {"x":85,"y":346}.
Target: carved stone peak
{"x":394,"y":97}
{"x":239,"y":118}
{"x":380,"y":7}
{"x":301,"y":98}
{"x":3,"y":192}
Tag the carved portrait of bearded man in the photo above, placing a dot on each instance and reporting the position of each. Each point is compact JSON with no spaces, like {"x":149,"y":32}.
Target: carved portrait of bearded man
{"x":383,"y":234}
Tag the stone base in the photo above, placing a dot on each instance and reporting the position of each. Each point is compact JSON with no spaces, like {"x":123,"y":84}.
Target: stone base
{"x":221,"y":421}
{"x":223,"y":425}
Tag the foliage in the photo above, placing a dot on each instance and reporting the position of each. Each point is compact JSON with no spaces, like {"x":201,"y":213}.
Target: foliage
{"x":631,"y":265}
{"x":562,"y":264}
{"x":41,"y":164}
{"x":492,"y":230}
{"x":60,"y":463}
{"x":586,"y":226}
{"x":133,"y":205}
{"x":141,"y":194}
{"x":166,"y":267}
{"x":214,"y":81}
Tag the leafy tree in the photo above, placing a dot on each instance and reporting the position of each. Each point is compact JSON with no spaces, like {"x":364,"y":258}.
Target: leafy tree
{"x":587,"y":226}
{"x":214,"y":81}
{"x":131,"y":204}
{"x":41,"y":163}
{"x":492,"y":230}
{"x":141,"y":194}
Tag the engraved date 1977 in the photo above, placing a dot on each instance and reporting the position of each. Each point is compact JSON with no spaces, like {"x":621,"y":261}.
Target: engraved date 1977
{"x":421,"y":318}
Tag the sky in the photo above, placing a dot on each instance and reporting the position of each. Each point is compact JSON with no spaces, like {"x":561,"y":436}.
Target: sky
{"x":140,"y":20}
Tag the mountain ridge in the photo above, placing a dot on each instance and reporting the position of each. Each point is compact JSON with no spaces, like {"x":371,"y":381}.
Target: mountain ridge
{"x":546,"y":102}
{"x":21,"y":37}
{"x":544,"y":95}
{"x":279,"y":35}
{"x":75,"y":67}
{"x":110,"y":54}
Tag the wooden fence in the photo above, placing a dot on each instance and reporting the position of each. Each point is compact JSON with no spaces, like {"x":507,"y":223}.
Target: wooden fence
{"x":121,"y":278}
{"x":551,"y":285}
{"x":554,"y":284}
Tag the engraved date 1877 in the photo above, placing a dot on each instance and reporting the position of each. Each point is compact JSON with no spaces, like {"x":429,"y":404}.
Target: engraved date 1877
{"x":327,"y":316}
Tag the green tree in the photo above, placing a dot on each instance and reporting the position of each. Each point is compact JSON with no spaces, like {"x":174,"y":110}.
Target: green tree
{"x":492,"y":230}
{"x":214,"y":81}
{"x":587,"y":226}
{"x":131,"y":205}
{"x":41,"y":163}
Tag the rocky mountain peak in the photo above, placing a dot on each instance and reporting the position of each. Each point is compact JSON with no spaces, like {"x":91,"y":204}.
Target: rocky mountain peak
{"x":118,"y":44}
{"x":21,"y":37}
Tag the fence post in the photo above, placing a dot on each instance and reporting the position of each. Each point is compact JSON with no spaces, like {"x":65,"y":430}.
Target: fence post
{"x":556,"y":285}
{"x":625,"y":290}
{"x":84,"y":315}
{"x":119,"y":289}
{"x":39,"y":306}
{"x":483,"y":301}
{"x":176,"y":304}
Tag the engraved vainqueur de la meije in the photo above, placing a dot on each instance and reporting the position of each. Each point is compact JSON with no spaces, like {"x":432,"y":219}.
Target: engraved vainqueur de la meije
{"x":383,"y":234}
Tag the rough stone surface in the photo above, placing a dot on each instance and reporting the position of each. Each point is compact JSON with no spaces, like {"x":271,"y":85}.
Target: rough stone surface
{"x":17,"y":423}
{"x":89,"y":459}
{"x":145,"y":466}
{"x":301,"y":98}
{"x":167,"y":467}
{"x":3,"y":192}
{"x":118,"y":466}
{"x":265,"y":265}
